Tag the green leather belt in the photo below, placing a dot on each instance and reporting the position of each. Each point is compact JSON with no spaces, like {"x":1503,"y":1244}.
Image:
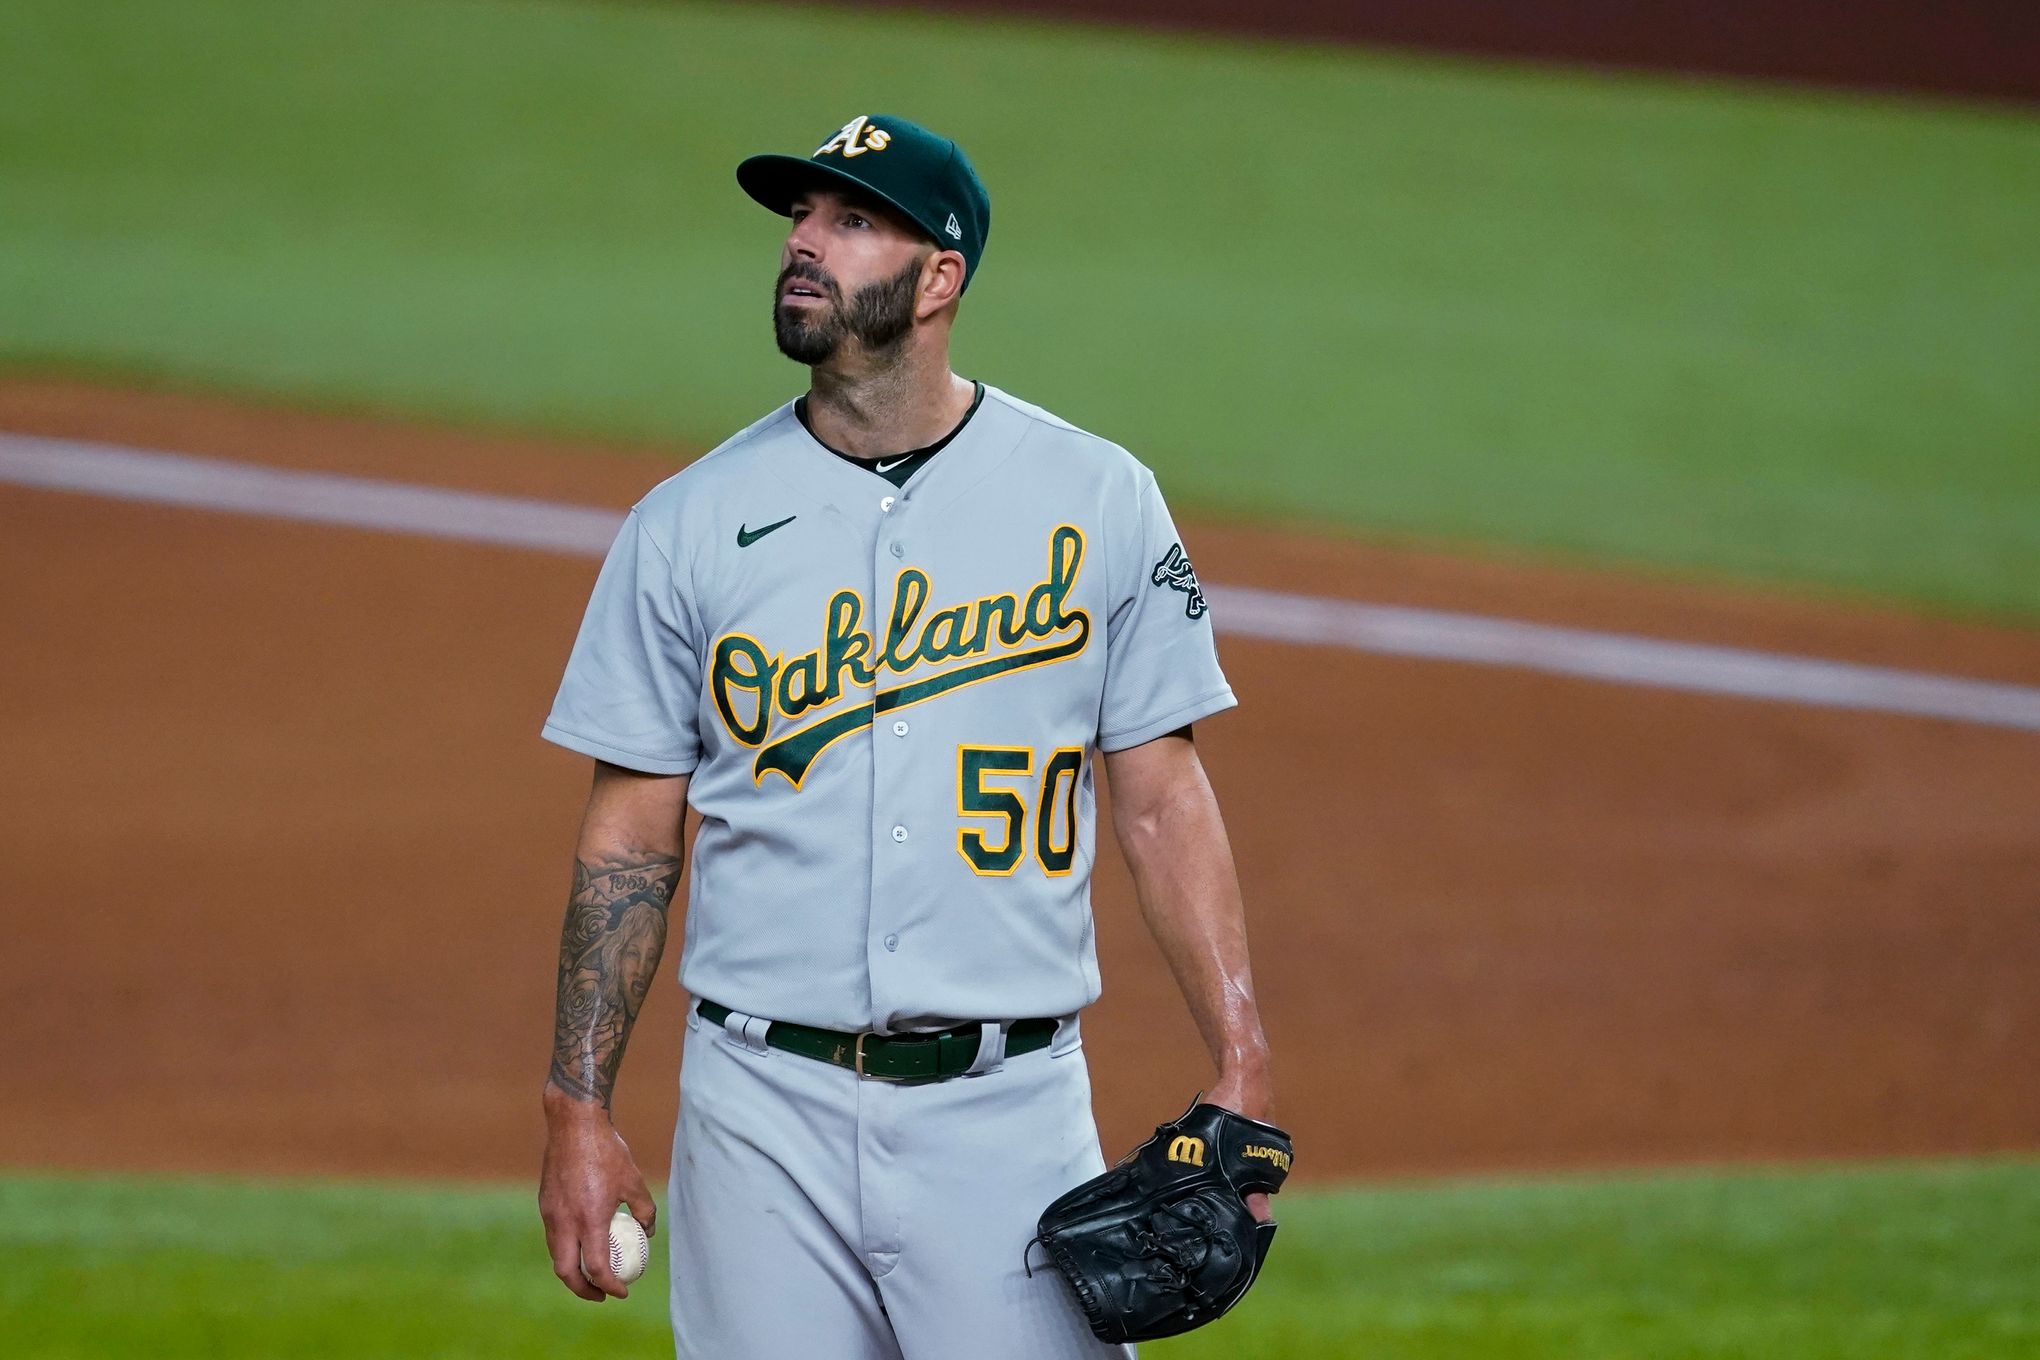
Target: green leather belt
{"x":905,"y":1058}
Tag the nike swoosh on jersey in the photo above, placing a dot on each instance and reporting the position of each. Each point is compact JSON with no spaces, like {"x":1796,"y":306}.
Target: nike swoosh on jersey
{"x":888,"y":467}
{"x":746,"y":537}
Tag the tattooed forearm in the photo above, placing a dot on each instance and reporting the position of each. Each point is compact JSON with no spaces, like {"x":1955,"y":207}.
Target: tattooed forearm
{"x":609,"y":953}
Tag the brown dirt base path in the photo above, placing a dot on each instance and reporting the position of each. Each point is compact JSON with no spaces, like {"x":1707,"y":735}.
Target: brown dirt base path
{"x":283,"y":855}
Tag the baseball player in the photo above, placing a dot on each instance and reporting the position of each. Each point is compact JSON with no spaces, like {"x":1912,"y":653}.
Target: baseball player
{"x":881,"y":641}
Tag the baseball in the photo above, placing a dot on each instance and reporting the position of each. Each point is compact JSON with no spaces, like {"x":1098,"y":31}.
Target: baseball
{"x":628,"y":1248}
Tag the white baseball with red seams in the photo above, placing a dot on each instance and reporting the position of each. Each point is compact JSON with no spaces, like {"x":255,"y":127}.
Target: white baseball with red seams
{"x":629,"y":1248}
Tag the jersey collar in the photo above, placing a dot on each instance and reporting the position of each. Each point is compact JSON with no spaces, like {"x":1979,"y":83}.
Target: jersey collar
{"x":981,"y":443}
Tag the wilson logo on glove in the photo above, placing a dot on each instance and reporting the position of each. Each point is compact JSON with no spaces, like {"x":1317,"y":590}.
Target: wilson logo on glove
{"x":1163,"y":1242}
{"x":1267,"y":1154}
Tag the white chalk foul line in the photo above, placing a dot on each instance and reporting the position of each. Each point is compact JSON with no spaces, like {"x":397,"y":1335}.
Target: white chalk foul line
{"x":548,"y":526}
{"x":322,"y":498}
{"x":1388,"y":630}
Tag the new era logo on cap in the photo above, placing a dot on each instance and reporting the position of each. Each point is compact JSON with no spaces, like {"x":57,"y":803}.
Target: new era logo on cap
{"x":954,"y":231}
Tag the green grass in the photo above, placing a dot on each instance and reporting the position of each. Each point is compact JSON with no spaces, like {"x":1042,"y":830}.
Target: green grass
{"x":1902,"y":1262}
{"x":1757,"y":333}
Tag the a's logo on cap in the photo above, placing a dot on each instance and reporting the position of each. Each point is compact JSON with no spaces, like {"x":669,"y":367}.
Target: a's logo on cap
{"x":856,"y":137}
{"x":955,"y":232}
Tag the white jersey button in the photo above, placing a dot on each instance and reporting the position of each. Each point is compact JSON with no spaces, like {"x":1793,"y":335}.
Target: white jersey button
{"x":892,"y":944}
{"x":885,"y":506}
{"x":898,"y":549}
{"x":899,"y":729}
{"x":899,"y":833}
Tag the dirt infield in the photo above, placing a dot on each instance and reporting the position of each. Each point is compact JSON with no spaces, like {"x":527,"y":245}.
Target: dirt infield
{"x":284,"y":856}
{"x":1982,"y":48}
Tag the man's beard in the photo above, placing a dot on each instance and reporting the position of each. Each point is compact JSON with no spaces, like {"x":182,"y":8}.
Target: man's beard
{"x":878,"y":316}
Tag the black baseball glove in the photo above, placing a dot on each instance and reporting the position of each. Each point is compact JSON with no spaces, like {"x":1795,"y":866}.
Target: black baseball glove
{"x":1163,"y":1242}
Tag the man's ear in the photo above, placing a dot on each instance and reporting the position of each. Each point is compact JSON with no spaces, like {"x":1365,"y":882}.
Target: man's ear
{"x":941,"y":283}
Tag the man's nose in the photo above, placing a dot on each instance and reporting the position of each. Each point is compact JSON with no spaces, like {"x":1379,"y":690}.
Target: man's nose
{"x":803,"y":242}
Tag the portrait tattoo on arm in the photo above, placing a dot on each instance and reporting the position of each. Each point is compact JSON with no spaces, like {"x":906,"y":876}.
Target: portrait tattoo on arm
{"x":609,"y":953}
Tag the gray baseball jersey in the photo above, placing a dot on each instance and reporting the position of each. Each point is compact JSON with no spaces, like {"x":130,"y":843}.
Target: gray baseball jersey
{"x":889,"y":702}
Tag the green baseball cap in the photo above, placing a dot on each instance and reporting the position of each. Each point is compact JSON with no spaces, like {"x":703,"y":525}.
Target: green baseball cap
{"x":922,"y":174}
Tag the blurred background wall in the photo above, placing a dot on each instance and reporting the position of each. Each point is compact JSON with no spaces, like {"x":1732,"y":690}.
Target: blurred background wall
{"x":1973,"y":47}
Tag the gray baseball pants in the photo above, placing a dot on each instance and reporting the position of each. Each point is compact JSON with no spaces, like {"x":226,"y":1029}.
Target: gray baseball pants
{"x":817,"y":1214}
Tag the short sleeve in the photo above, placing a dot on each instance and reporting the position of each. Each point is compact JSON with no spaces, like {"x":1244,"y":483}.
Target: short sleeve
{"x":633,"y":684}
{"x":1161,"y":659}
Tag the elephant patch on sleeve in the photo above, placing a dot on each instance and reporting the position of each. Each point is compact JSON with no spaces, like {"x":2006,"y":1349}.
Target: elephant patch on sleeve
{"x":1175,"y":572}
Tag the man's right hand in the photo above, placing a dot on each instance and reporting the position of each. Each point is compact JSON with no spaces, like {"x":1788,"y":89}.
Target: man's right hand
{"x":588,"y":1171}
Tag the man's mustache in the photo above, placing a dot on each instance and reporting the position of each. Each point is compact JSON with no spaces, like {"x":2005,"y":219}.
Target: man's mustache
{"x":807,"y":273}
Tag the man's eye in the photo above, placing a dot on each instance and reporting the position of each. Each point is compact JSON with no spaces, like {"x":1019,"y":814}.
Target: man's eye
{"x":855,"y":221}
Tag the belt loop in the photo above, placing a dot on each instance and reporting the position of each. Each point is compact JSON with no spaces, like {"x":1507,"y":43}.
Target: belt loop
{"x":1068,"y":1036}
{"x":991,"y":1054}
{"x":747,"y":1030}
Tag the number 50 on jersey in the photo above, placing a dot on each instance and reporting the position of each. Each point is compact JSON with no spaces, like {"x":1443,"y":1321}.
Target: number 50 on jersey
{"x":999,"y":784}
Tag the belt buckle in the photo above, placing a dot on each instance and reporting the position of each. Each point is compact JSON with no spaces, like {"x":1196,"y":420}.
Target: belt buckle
{"x":858,"y":1061}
